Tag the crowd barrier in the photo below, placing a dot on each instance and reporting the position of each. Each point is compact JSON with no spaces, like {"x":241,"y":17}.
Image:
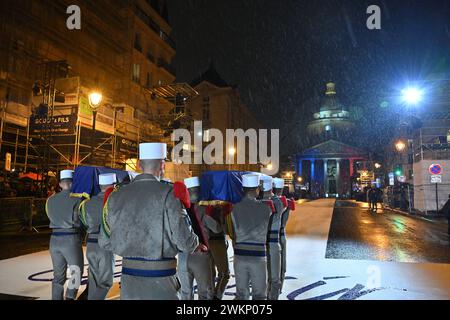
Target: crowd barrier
{"x":22,"y":213}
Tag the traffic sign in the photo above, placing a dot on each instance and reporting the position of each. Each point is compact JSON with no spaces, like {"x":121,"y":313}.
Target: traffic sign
{"x":436,"y":178}
{"x":435,"y":168}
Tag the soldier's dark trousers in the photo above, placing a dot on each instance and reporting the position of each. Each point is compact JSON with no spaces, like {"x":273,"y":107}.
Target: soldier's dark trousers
{"x":274,"y":270}
{"x":149,"y":279}
{"x":101,"y":269}
{"x":218,"y":249}
{"x":195,"y":266}
{"x":283,"y":259}
{"x":66,"y":252}
{"x":252,"y":271}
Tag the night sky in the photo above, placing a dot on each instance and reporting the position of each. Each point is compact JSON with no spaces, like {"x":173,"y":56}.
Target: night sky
{"x":280,"y":54}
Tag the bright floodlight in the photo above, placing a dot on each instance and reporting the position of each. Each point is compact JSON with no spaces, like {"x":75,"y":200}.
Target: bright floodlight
{"x":412,"y":95}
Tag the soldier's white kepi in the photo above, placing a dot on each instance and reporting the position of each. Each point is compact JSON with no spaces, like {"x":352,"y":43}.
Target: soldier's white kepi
{"x":267,"y":182}
{"x":250,"y":180}
{"x":106,"y":179}
{"x":278,"y":183}
{"x":152,"y":151}
{"x":66,"y":174}
{"x":192,"y":182}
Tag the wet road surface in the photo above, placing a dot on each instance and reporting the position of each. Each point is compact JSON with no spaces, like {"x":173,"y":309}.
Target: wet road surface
{"x":355,"y":233}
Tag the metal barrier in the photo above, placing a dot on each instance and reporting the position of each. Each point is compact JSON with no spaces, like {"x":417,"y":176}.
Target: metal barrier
{"x":22,"y":213}
{"x":400,"y":197}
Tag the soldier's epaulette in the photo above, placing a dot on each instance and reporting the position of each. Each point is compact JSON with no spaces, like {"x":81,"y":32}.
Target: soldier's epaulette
{"x":291,"y":204}
{"x":111,"y":190}
{"x":270,"y":204}
{"x":181,"y":193}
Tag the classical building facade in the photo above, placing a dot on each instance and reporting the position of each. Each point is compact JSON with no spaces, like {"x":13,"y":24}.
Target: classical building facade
{"x":219,"y":106}
{"x":329,"y":168}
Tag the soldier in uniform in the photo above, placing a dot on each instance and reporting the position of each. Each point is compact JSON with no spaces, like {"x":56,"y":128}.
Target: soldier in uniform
{"x":65,"y":242}
{"x":283,"y":241}
{"x":218,"y":246}
{"x":250,"y":221}
{"x":101,"y":261}
{"x":273,"y":240}
{"x":197,"y":265}
{"x":145,"y":224}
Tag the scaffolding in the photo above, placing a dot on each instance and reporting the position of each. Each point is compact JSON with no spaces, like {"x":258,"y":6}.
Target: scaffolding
{"x":62,"y":136}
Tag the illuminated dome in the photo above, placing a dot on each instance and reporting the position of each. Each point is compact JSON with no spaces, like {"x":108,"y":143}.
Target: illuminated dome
{"x":330,"y":101}
{"x":333,"y":117}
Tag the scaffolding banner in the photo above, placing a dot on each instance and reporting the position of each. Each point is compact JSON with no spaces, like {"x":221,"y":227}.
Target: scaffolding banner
{"x":56,"y":124}
{"x":126,"y":145}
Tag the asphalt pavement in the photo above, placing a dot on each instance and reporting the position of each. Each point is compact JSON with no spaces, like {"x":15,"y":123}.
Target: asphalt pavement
{"x":357,"y":233}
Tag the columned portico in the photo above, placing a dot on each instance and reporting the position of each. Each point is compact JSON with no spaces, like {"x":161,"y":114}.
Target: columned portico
{"x":332,"y":177}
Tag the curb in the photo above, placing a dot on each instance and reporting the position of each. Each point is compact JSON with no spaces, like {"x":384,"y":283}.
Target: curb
{"x":416,"y":216}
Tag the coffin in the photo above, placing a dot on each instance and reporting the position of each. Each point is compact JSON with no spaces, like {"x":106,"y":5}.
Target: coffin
{"x":221,"y":186}
{"x":85,"y":180}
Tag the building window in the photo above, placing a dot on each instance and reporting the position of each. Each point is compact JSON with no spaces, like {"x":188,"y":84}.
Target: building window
{"x":150,"y":56}
{"x":137,"y":42}
{"x":205,"y":115}
{"x":148,"y":82}
{"x":136,"y":72}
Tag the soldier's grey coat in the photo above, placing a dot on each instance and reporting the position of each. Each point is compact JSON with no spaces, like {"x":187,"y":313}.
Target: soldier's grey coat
{"x":101,"y":261}
{"x":144,"y":220}
{"x":250,"y":219}
{"x":197,"y":265}
{"x":65,"y":243}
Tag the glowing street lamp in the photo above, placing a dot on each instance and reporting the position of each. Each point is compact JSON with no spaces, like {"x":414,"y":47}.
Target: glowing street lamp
{"x":299,"y":179}
{"x":95,"y":99}
{"x":377,"y":165}
{"x":400,"y":146}
{"x":269,"y":166}
{"x":231,"y":153}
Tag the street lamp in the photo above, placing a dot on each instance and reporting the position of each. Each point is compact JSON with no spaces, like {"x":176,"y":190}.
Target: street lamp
{"x":299,"y":179}
{"x":400,"y":146}
{"x":411,"y":95}
{"x":377,"y":165}
{"x":95,"y":99}
{"x":231,"y":153}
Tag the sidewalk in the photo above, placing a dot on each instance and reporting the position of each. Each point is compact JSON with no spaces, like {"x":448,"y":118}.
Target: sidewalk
{"x":431,"y":217}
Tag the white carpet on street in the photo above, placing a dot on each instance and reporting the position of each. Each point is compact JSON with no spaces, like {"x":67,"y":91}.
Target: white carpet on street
{"x":310,"y":274}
